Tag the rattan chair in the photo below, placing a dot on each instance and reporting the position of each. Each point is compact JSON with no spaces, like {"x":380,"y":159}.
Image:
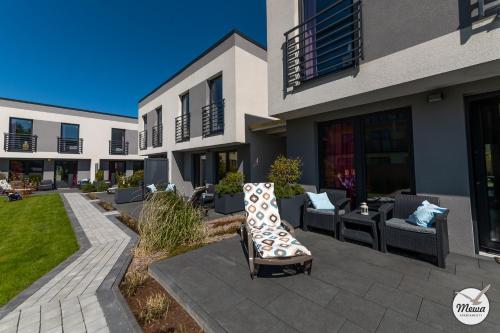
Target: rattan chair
{"x":396,"y":232}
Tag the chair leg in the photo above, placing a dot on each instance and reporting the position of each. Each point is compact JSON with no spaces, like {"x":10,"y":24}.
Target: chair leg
{"x":308,"y":267}
{"x":252,"y":268}
{"x":440,"y":259}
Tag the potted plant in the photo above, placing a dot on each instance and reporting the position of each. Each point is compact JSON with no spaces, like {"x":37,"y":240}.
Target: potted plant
{"x":285,"y":173}
{"x":229,"y":194}
{"x":130,"y":188}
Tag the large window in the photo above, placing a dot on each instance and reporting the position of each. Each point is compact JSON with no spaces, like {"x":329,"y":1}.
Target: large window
{"x":185,"y":104}
{"x":117,"y":135}
{"x":368,"y":156}
{"x":70,"y":131}
{"x":215,"y":86}
{"x":159,"y":118}
{"x":21,"y":126}
{"x":227,"y":161}
{"x":20,"y":137}
{"x":25,"y":169}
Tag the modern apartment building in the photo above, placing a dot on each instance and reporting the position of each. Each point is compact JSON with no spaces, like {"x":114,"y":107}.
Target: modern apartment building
{"x":388,"y":96}
{"x":211,"y":117}
{"x":65,"y":144}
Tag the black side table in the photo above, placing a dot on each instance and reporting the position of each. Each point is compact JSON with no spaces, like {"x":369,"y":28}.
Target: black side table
{"x":351,"y":227}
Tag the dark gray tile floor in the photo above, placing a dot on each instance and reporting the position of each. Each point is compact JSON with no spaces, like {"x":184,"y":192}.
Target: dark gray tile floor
{"x":352,"y":289}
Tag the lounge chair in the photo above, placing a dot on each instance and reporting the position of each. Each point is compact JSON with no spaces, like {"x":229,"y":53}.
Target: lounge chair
{"x":4,"y":186}
{"x":267,"y":238}
{"x":46,"y":185}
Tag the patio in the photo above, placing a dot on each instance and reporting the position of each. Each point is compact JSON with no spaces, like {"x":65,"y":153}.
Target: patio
{"x":351,"y":289}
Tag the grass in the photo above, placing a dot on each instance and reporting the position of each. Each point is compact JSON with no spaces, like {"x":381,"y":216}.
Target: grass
{"x":156,"y":307}
{"x":36,"y":235}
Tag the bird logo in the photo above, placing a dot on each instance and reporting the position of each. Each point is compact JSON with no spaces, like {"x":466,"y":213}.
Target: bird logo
{"x":476,"y":300}
{"x":471,"y":306}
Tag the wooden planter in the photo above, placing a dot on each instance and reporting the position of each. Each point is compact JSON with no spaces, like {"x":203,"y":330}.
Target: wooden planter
{"x":228,"y":204}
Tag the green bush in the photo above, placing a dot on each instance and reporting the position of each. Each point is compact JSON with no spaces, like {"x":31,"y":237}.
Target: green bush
{"x":231,"y":184}
{"x":285,"y":173}
{"x":99,"y":175}
{"x":89,"y":187}
{"x":131,"y":181}
{"x":101,"y":186}
{"x":167,"y":221}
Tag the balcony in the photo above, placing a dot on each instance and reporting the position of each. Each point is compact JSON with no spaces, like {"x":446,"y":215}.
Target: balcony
{"x":143,"y":139}
{"x":118,"y":147}
{"x":26,"y":143}
{"x":157,"y":135}
{"x":182,"y":127}
{"x":213,"y":119}
{"x":69,"y":146}
{"x":324,"y":44}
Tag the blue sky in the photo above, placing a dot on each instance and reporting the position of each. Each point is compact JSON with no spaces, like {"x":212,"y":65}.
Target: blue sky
{"x":106,"y":55}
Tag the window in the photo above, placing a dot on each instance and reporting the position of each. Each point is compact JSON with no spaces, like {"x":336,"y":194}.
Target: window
{"x":22,"y":169}
{"x":158,"y":116}
{"x":145,"y":121}
{"x":215,"y":86}
{"x":117,"y":135}
{"x":70,"y":131}
{"x":227,"y":161}
{"x":21,"y":126}
{"x":185,"y":104}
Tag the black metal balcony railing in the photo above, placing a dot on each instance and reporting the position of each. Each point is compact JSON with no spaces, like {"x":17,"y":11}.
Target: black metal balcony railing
{"x":157,"y":132}
{"x":182,"y":127}
{"x":20,"y":142}
{"x":69,"y":146}
{"x":486,"y":8}
{"x":213,"y":119}
{"x":143,"y":139}
{"x":118,"y":147}
{"x":326,"y":43}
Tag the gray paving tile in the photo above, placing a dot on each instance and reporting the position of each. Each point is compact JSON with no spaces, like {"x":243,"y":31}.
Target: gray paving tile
{"x":309,"y":287}
{"x":438,"y":292}
{"x":396,"y":322}
{"x":454,"y":281}
{"x":364,"y":313}
{"x":398,"y":300}
{"x":341,"y":278}
{"x":349,"y":327}
{"x":304,"y":315}
{"x":247,"y":316}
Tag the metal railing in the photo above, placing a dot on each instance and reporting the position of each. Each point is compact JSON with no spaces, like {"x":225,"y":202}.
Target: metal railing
{"x":143,"y":140}
{"x":326,"y":43}
{"x":213,"y":119}
{"x":487,"y":8}
{"x":182,"y":127}
{"x":157,"y":132}
{"x":20,"y":142}
{"x":69,"y":146}
{"x":118,"y":147}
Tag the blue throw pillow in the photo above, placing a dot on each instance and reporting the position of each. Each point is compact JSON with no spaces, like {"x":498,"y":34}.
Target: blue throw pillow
{"x":170,"y":187}
{"x":425,"y":213}
{"x":152,"y":188}
{"x":320,"y":201}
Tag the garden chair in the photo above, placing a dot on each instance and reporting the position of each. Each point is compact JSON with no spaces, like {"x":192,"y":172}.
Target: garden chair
{"x":396,"y":232}
{"x":267,"y":238}
{"x":5,"y":186}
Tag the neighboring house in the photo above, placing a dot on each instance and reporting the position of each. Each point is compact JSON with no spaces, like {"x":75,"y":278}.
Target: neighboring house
{"x":211,"y":117}
{"x":65,"y":144}
{"x":391,"y":96}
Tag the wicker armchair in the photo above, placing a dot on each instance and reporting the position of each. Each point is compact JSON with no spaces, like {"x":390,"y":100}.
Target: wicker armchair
{"x":326,"y":220}
{"x":396,"y":232}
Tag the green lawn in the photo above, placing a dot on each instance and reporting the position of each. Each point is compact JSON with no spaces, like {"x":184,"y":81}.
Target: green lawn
{"x":35,"y":236}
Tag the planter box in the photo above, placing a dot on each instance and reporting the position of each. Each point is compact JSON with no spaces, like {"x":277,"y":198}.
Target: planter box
{"x":131,"y":194}
{"x":228,"y":204}
{"x":291,"y":209}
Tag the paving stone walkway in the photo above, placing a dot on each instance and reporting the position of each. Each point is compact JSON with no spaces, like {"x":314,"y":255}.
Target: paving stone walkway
{"x":68,"y":302}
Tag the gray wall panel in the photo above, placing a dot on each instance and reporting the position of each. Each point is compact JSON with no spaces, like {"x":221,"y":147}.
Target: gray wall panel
{"x":197,"y":99}
{"x":83,"y":169}
{"x":131,"y":136}
{"x":152,"y":118}
{"x":48,"y":169}
{"x":47,"y":132}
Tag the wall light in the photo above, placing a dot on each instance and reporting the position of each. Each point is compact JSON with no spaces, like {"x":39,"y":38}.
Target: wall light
{"x":435,"y":97}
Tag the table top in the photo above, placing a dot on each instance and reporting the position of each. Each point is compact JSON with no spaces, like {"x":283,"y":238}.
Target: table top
{"x":356,"y":215}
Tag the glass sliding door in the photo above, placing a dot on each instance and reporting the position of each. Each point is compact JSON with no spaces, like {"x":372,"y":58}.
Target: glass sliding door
{"x":370,"y":156}
{"x":387,"y":137}
{"x":337,"y":158}
{"x":66,"y":173}
{"x":227,"y":161}
{"x":25,"y":169}
{"x":116,"y":170}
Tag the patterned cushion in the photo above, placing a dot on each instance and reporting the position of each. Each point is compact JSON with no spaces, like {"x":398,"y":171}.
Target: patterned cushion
{"x":4,"y":185}
{"x":261,"y":206}
{"x":270,"y":238}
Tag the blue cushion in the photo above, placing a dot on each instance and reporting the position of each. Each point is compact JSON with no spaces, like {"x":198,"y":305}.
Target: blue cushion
{"x":425,"y":213}
{"x":170,"y":187}
{"x":320,"y":201}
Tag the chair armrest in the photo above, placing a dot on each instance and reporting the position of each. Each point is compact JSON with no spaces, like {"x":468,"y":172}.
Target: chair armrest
{"x":343,"y":204}
{"x":288,"y":227}
{"x":385,"y":211}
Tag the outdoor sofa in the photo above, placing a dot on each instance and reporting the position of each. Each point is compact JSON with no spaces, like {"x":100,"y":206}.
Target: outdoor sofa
{"x":46,"y":185}
{"x":326,"y":219}
{"x":267,"y":239}
{"x":396,"y":232}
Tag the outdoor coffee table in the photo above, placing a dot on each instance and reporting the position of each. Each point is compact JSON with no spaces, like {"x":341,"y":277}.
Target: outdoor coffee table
{"x":362,"y":228}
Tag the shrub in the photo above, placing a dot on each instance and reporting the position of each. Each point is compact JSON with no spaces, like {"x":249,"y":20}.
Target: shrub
{"x":89,"y":187}
{"x":285,"y":173}
{"x":168,"y":221}
{"x":131,"y":181}
{"x":132,"y":281}
{"x":101,"y":186}
{"x":231,"y":184}
{"x":156,"y":307}
{"x":99,"y":175}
